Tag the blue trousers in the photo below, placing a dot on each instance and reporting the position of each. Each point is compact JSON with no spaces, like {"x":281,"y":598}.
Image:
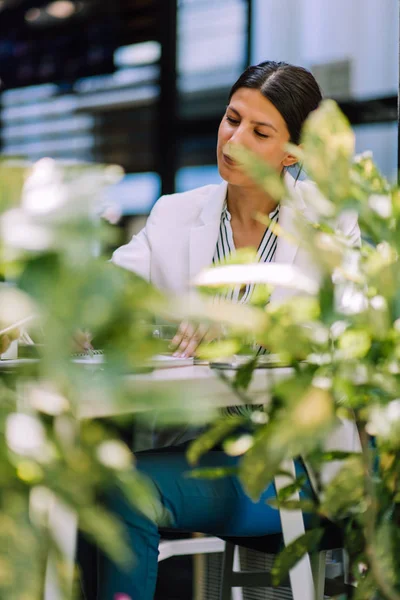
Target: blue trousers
{"x":218,"y":507}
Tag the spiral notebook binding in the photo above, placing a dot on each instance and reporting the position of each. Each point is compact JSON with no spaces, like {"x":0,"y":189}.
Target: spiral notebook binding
{"x":87,"y":354}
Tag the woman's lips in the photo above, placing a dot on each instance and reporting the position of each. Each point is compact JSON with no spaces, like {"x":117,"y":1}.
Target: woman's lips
{"x":229,"y":161}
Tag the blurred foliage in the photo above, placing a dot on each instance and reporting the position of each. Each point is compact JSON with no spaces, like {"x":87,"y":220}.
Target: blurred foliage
{"x":54,"y":279}
{"x":344,"y":348}
{"x":343,"y":345}
{"x":292,"y":554}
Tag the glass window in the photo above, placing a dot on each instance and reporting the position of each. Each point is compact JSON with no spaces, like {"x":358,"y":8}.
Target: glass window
{"x":189,"y":178}
{"x":135,"y":194}
{"x":104,"y":118}
{"x":212,"y":42}
{"x":362,"y":34}
{"x":381,"y":140}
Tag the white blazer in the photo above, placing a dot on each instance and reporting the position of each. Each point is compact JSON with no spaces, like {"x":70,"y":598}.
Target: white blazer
{"x":181,"y":234}
{"x":180,"y":237}
{"x":179,"y":240}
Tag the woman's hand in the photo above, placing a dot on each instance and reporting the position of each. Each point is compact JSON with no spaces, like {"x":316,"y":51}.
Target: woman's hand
{"x":188,"y":338}
{"x":5,"y":342}
{"x":7,"y":338}
{"x":82,"y":341}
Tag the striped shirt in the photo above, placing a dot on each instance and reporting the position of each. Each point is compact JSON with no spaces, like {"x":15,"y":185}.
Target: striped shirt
{"x":265,"y":253}
{"x":226,"y":246}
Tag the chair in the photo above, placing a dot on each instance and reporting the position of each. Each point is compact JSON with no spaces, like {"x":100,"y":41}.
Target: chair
{"x":272,"y":544}
{"x":188,"y":546}
{"x":332,"y":539}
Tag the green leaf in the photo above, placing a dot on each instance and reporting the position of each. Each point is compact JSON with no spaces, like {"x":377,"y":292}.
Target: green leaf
{"x":386,"y":551}
{"x":211,"y":473}
{"x":328,"y":143}
{"x":107,"y":532}
{"x":261,"y":295}
{"x":260,"y":464}
{"x":244,"y":374}
{"x":259,"y":170}
{"x":39,"y":276}
{"x":306,"y":506}
{"x":210,"y":438}
{"x":365,"y":586}
{"x":241,"y":256}
{"x":290,"y":555}
{"x":368,"y":175}
{"x":327,"y":301}
{"x":286,"y":492}
{"x":354,"y":344}
{"x":142,"y":493}
{"x":218,"y":349}
{"x":297,"y":428}
{"x":336,"y":455}
{"x":12,"y":174}
{"x":345,"y":491}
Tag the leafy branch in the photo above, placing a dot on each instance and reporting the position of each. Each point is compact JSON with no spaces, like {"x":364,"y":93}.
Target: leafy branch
{"x":370,"y":518}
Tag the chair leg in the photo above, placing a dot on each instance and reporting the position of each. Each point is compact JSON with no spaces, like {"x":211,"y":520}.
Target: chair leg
{"x":346,"y":567}
{"x":227,"y":570}
{"x":237,"y":592}
{"x":318,"y":562}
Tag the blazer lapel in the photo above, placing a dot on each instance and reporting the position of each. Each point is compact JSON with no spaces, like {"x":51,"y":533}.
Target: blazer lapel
{"x":204,"y":235}
{"x":291,"y":206}
{"x":287,"y":247}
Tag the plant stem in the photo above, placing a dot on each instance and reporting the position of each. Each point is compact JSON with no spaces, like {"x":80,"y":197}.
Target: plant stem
{"x":242,"y":396}
{"x":370,"y":519}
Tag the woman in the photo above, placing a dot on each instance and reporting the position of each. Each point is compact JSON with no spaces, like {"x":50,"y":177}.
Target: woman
{"x":184,"y":233}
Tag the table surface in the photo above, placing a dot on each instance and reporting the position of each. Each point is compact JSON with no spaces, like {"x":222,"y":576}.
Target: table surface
{"x":203,"y":386}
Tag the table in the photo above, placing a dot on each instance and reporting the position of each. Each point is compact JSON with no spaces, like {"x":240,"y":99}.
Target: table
{"x":204,"y":386}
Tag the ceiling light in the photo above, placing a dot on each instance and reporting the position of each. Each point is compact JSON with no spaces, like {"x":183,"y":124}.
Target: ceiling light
{"x":143,"y":53}
{"x":61,"y":9}
{"x":33,"y":14}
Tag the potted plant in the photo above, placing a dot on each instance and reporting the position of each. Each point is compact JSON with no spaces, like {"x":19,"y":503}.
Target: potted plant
{"x":343,"y":344}
{"x":52,"y":459}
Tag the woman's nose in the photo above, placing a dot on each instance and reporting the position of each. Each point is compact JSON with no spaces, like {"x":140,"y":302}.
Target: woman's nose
{"x":238,"y":137}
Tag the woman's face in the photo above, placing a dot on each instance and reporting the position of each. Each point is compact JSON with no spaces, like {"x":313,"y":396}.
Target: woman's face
{"x":252,"y":121}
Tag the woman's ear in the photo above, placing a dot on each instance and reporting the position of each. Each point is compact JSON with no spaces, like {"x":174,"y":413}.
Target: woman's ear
{"x":289,"y":160}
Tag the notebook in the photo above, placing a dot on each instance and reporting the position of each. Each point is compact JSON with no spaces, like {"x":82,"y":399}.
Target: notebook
{"x":266,"y":361}
{"x":167,"y":361}
{"x":94,"y":357}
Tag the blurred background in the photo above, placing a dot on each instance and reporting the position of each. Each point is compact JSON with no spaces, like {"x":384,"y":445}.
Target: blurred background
{"x":144,"y":83}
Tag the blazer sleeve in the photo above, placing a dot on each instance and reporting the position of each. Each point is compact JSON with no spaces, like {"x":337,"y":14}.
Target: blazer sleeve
{"x":136,"y":255}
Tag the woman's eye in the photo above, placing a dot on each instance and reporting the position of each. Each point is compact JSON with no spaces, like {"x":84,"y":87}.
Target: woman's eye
{"x":232,"y":121}
{"x":261,"y":135}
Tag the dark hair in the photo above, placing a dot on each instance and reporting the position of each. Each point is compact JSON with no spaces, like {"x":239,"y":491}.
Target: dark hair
{"x":292,"y":90}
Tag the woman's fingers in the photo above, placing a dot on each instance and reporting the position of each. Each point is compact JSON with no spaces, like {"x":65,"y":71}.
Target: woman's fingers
{"x":183,"y":331}
{"x":82,"y":341}
{"x":5,"y":342}
{"x":187,"y":333}
{"x":195,"y":341}
{"x":188,"y":339}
